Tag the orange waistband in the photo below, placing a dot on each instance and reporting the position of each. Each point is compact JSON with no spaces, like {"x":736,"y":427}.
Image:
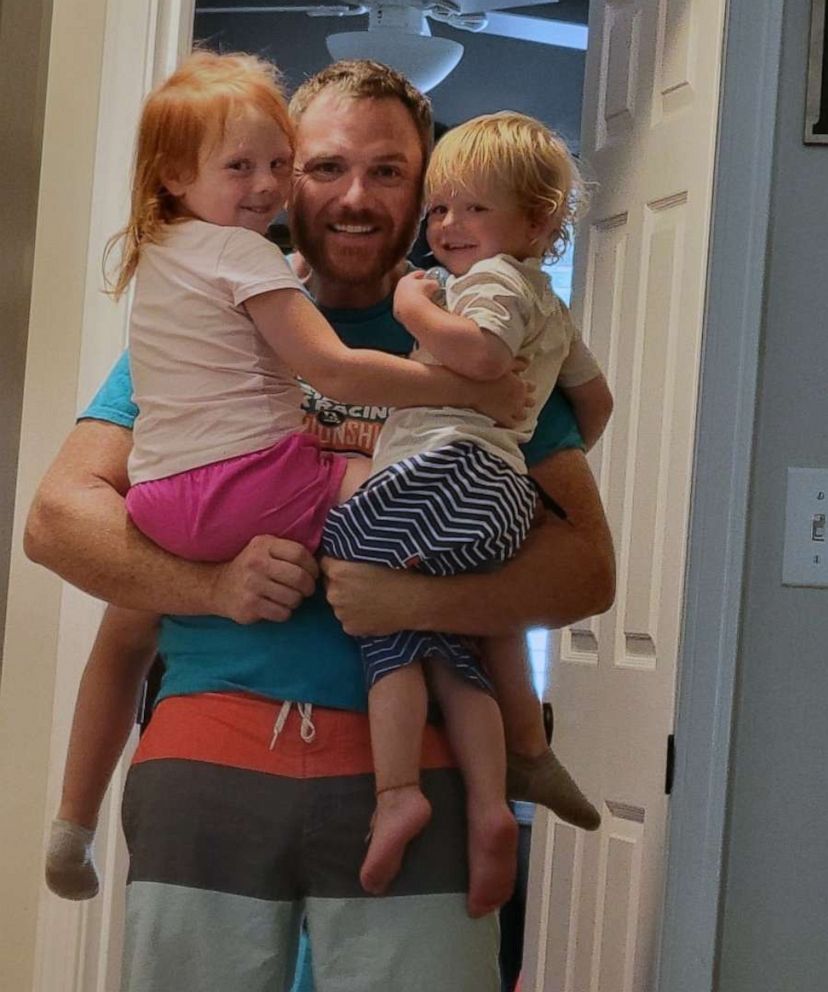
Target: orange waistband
{"x":237,"y":730}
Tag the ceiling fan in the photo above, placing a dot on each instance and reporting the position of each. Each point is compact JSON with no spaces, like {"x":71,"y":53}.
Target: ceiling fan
{"x":399,"y":35}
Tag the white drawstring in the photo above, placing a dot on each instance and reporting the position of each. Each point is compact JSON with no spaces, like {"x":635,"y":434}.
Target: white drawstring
{"x":307,"y":731}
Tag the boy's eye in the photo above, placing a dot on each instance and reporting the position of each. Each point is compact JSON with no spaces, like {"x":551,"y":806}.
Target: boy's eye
{"x":438,"y":210}
{"x":478,"y":208}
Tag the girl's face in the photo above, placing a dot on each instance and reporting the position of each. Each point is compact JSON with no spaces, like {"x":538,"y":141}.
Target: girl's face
{"x":243,"y":178}
{"x":464,"y":227}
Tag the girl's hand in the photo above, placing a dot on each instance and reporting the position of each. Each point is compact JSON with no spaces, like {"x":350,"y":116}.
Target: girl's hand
{"x":506,"y":400}
{"x":413,"y":291}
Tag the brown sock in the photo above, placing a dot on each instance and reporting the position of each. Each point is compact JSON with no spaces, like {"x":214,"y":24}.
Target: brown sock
{"x":545,"y":781}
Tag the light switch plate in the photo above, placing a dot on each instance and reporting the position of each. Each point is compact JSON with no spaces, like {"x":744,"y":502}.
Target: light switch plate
{"x":805,"y":560}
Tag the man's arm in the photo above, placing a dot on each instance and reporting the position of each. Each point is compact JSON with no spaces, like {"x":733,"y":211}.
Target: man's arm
{"x":564,"y":572}
{"x":78,"y":527}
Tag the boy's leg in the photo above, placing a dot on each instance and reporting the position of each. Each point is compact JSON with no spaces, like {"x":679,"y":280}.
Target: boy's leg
{"x":397,"y":706}
{"x":105,"y":714}
{"x":213,"y":820}
{"x":419,"y":935}
{"x":476,"y":734}
{"x":535,"y":774}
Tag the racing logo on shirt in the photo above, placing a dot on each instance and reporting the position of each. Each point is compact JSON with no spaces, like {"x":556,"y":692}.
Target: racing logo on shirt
{"x":347,"y":429}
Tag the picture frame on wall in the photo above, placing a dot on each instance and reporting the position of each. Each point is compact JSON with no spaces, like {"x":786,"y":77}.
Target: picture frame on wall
{"x":816,"y":102}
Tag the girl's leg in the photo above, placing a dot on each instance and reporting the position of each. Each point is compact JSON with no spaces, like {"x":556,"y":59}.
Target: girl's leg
{"x":357,"y":471}
{"x":105,"y":713}
{"x":397,"y":712}
{"x":534,"y":773}
{"x":475,"y":732}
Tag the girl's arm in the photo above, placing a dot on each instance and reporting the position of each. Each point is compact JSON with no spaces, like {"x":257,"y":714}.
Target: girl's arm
{"x":455,"y":341}
{"x":592,"y":405}
{"x":305,"y":341}
{"x":105,"y":711}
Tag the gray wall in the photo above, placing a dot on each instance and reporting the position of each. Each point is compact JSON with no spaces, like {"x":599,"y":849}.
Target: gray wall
{"x":774,"y":935}
{"x":24,"y":30}
{"x":494,"y":74}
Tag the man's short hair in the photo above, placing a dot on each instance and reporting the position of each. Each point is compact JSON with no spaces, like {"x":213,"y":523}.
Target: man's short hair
{"x":366,"y":79}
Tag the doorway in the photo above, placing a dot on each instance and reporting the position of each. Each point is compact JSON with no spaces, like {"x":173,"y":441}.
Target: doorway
{"x":752,"y":29}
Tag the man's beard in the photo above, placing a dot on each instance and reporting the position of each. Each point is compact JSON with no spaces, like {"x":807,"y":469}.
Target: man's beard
{"x":354,"y":266}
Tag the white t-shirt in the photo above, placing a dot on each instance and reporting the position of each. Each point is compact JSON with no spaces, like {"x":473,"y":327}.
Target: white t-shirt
{"x":207,"y":385}
{"x":513,"y":300}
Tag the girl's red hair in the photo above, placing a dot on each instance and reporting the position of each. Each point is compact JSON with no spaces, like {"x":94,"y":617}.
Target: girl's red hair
{"x":179,"y":116}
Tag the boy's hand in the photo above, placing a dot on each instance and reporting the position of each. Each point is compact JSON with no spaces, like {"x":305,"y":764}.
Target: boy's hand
{"x":413,"y":291}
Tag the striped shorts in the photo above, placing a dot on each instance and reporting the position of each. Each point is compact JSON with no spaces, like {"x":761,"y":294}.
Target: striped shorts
{"x":456,"y":509}
{"x":242,"y":815}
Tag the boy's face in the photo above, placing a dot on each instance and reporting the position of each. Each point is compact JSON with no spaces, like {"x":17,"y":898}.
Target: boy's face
{"x":242,"y":179}
{"x":354,"y":205}
{"x":466,"y":226}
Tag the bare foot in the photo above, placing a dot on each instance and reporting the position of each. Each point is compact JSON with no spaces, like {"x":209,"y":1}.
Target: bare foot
{"x":400,"y":815}
{"x":493,"y":837}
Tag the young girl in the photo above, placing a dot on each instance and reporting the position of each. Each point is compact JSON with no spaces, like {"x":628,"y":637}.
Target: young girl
{"x":449,"y":491}
{"x":220,"y":327}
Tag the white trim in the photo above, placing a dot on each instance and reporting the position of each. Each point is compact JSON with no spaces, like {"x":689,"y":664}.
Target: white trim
{"x":725,"y":425}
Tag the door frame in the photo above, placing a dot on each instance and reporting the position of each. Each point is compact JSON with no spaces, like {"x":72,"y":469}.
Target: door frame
{"x":725,"y":423}
{"x":724,"y":448}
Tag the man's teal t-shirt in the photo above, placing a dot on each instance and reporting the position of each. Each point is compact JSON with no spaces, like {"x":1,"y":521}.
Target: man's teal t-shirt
{"x":308,"y":658}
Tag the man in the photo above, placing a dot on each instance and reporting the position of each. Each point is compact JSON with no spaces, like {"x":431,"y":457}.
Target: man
{"x":242,"y":811}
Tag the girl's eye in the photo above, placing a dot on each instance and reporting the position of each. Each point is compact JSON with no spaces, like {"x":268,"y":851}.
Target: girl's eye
{"x":239,"y":165}
{"x":438,"y":210}
{"x":478,"y":208}
{"x":281,"y":166}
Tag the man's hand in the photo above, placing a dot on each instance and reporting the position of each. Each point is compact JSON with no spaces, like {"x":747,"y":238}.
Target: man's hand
{"x":265,"y":581}
{"x":369,"y":600}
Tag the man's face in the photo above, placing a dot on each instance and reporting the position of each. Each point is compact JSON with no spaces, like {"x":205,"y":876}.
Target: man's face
{"x":354,"y":206}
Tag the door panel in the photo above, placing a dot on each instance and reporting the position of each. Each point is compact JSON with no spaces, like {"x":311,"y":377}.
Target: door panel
{"x":648,"y":141}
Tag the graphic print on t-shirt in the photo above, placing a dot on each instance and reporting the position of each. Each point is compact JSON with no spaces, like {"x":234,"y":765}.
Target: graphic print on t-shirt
{"x":346,"y":429}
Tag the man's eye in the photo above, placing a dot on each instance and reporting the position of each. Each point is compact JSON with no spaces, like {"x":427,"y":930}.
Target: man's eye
{"x":388,"y":174}
{"x":324,"y":170}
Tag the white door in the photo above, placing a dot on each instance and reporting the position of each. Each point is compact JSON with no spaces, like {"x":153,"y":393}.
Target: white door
{"x":648,"y":140}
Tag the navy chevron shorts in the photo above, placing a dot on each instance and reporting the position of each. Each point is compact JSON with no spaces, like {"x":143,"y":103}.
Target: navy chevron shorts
{"x":456,"y":509}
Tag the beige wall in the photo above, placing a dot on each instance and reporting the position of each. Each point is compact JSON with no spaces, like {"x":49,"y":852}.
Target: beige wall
{"x":24,"y":36}
{"x":58,"y":264}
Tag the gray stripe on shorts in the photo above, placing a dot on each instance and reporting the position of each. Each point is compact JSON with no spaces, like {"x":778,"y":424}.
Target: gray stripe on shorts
{"x":242,"y":832}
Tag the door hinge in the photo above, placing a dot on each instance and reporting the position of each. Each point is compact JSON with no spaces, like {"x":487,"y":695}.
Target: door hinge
{"x":670,"y":767}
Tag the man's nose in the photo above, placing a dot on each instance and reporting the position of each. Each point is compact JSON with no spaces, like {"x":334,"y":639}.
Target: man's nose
{"x":355,"y":192}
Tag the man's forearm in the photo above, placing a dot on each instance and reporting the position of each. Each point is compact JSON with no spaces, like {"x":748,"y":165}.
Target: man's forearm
{"x":559,"y":577}
{"x":564,"y":572}
{"x":78,"y":528}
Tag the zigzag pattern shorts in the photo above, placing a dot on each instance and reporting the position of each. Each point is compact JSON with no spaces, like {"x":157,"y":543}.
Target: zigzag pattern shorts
{"x":456,"y":509}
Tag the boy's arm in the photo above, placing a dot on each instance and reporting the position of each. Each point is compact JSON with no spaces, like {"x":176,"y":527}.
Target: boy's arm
{"x":78,"y":527}
{"x":455,"y":341}
{"x":592,"y":405}
{"x":564,"y":572}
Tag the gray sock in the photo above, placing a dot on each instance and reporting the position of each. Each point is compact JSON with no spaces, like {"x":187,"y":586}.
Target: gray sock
{"x":70,"y":870}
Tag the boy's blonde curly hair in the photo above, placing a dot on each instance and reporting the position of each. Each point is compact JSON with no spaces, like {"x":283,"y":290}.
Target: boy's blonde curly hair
{"x":511,"y":152}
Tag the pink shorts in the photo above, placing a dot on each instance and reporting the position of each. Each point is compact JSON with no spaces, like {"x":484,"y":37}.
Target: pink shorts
{"x":211,"y":512}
